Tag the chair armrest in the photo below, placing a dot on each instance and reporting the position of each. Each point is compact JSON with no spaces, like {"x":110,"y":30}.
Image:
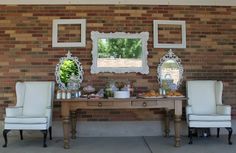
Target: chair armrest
{"x":48,"y":113}
{"x":223,"y":109}
{"x":14,"y":111}
{"x":189,"y":109}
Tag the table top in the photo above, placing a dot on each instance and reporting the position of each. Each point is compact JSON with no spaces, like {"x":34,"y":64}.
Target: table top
{"x":123,"y":99}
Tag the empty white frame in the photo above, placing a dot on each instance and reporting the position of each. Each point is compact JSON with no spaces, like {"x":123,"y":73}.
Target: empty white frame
{"x":156,"y":43}
{"x":57,"y":22}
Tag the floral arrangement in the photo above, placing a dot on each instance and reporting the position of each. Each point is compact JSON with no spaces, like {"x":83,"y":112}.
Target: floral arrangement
{"x":120,"y":85}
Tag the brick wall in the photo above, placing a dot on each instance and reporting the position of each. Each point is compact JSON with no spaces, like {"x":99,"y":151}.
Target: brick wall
{"x":26,"y":52}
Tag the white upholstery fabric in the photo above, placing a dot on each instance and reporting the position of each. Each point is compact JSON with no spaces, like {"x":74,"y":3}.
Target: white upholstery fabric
{"x":201,"y":96}
{"x":205,"y":107}
{"x":26,"y":120}
{"x":14,"y":111}
{"x":49,"y":115}
{"x":208,"y":124}
{"x":211,"y":117}
{"x":26,"y":126}
{"x":36,"y":112}
{"x":189,"y":109}
{"x":20,"y":96}
{"x":218,"y":91}
{"x":36,"y":95}
{"x":223,"y":109}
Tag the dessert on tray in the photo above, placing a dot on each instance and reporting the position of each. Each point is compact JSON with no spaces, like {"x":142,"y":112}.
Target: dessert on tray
{"x":174,"y":93}
{"x":149,"y":94}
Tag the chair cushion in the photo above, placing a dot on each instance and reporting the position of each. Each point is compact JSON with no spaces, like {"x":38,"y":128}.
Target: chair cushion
{"x":207,"y":117}
{"x":26,"y":120}
{"x":209,"y":124}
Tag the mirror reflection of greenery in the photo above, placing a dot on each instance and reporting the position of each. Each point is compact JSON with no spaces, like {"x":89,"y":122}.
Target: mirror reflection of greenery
{"x":119,"y":48}
{"x":170,"y":64}
{"x":66,"y":69}
{"x":167,"y":84}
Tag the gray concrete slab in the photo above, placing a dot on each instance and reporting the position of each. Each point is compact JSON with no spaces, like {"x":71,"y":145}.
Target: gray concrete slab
{"x":80,"y":145}
{"x":120,"y":145}
{"x":200,"y":145}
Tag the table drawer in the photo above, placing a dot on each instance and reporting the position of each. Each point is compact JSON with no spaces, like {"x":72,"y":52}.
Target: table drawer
{"x":144,"y":103}
{"x":99,"y":104}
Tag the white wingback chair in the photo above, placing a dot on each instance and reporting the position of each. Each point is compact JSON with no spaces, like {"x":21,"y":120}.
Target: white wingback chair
{"x":33,"y":110}
{"x":205,"y":108}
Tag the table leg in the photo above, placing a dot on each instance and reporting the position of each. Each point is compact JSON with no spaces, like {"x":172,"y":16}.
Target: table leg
{"x":73,"y":124}
{"x":177,"y":130}
{"x":65,"y":113}
{"x":66,"y":123}
{"x":167,"y":123}
{"x":178,"y":115}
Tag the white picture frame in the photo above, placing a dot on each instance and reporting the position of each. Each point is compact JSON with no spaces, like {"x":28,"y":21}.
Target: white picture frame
{"x":156,"y":43}
{"x":57,"y":22}
{"x":144,"y":36}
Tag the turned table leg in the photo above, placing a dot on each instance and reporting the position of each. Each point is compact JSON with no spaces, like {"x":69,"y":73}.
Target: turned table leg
{"x":177,"y":130}
{"x":167,"y":123}
{"x":73,"y":124}
{"x":178,"y":115}
{"x":65,"y":111}
{"x":66,"y":123}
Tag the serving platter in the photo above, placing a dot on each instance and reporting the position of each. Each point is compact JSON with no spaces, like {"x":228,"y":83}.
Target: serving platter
{"x":150,"y":97}
{"x":175,"y":96}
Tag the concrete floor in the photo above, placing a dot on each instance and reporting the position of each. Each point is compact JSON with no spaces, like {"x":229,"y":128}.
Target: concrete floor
{"x":121,"y":145}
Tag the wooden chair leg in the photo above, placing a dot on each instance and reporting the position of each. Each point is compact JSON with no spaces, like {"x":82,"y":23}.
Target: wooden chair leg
{"x":21,"y":134}
{"x":218,"y":132}
{"x":4,"y":133}
{"x":190,"y":135}
{"x":50,"y":133}
{"x":45,"y":132}
{"x":230,"y":134}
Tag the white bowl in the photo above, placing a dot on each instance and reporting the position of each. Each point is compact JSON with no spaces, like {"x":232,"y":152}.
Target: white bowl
{"x":121,"y":94}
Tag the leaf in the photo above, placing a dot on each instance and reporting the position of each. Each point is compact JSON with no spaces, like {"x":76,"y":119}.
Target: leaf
{"x":66,"y":69}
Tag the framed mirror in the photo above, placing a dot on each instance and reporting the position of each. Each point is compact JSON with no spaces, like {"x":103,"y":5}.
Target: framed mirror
{"x":119,"y":52}
{"x":170,"y":71}
{"x":69,"y":73}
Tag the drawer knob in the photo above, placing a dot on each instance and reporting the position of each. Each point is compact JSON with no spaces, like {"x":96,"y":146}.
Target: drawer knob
{"x":99,"y":104}
{"x":144,"y":104}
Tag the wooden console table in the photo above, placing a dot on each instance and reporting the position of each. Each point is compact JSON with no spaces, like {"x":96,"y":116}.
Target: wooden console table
{"x":69,"y":109}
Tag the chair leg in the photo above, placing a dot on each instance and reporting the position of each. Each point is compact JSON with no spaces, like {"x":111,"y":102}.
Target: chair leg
{"x":188,"y":132}
{"x":21,"y":134}
{"x":218,"y":132}
{"x":230,"y":134}
{"x":4,"y":133}
{"x":209,"y":132}
{"x":45,"y":132}
{"x":50,"y":133}
{"x":190,"y":135}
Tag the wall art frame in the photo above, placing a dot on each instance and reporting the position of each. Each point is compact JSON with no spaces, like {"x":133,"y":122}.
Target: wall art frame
{"x":156,"y":42}
{"x":57,"y":22}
